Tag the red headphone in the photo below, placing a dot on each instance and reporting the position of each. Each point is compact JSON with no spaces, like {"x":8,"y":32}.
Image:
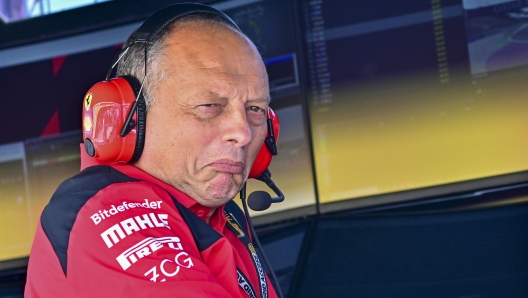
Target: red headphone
{"x":114,"y":110}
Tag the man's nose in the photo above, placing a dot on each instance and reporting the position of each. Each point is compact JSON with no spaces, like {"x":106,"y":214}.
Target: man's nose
{"x":237,"y":129}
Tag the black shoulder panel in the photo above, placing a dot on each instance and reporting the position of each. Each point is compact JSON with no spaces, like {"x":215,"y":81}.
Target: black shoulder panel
{"x":60,"y":214}
{"x":204,"y":235}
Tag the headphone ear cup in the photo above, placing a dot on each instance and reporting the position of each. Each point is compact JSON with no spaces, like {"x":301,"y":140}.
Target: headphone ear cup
{"x":106,"y":106}
{"x":141,"y":123}
{"x":264,"y":156}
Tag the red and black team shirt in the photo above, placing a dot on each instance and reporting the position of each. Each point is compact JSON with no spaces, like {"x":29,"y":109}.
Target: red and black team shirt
{"x":115,"y":231}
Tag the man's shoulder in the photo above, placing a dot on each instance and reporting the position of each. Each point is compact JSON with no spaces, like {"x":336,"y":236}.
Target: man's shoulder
{"x":73,"y":193}
{"x":96,"y":194}
{"x":91,"y":180}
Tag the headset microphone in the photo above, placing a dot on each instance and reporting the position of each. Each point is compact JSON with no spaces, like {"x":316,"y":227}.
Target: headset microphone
{"x":261,"y":200}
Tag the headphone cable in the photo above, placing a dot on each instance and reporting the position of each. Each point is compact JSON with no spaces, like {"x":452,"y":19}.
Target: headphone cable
{"x":274,"y":280}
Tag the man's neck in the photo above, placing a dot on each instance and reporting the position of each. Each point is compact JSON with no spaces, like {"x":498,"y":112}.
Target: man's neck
{"x":210,"y":215}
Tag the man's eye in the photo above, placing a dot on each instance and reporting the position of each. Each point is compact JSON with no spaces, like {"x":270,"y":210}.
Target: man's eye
{"x":209,"y":110}
{"x":256,"y":109}
{"x":210,"y":107}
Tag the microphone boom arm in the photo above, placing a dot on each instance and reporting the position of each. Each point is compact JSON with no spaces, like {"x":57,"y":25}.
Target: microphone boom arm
{"x":266,"y":178}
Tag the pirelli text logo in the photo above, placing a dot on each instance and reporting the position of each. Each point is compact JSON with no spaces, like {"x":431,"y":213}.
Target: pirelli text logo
{"x":145,"y":248}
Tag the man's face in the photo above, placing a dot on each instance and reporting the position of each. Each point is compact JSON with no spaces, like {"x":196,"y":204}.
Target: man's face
{"x":208,"y":119}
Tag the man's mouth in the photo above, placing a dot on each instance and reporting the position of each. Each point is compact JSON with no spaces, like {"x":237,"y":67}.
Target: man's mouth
{"x":228,"y":166}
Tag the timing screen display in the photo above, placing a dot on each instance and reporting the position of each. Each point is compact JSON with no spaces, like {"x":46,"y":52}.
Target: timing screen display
{"x":409,"y":95}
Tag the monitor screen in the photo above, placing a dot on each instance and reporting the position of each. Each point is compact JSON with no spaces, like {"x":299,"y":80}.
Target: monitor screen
{"x":408,"y":95}
{"x":40,"y":148}
{"x":16,"y":223}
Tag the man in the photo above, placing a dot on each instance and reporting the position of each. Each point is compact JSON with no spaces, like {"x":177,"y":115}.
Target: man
{"x":159,"y":227}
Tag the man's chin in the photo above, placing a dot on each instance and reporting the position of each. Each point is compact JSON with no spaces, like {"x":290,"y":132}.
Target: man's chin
{"x":222,"y":189}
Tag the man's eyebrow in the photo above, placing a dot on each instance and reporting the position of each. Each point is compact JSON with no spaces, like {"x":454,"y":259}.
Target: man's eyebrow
{"x":261,"y":99}
{"x":266,"y":99}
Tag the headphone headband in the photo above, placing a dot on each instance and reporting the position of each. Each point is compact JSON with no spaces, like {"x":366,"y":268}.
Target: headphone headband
{"x":154,"y":25}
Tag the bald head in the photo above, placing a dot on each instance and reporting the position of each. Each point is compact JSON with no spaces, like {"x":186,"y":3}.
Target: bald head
{"x":198,"y":51}
{"x":133,"y":62}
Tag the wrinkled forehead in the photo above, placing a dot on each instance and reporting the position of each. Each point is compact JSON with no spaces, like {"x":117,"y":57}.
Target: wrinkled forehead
{"x":220,"y":47}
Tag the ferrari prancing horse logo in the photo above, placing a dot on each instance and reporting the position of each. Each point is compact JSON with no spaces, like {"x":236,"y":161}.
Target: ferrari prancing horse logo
{"x":88,"y":101}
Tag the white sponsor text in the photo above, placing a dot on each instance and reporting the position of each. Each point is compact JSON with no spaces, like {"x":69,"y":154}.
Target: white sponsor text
{"x":130,"y":225}
{"x":145,"y":248}
{"x":103,"y":214}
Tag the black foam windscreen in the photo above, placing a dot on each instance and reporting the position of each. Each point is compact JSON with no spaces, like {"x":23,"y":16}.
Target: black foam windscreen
{"x":259,"y":200}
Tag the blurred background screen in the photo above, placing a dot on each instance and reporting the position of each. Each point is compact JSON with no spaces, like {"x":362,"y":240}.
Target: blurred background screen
{"x":412,"y":95}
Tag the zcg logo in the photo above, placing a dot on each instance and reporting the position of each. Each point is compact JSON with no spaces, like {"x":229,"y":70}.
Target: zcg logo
{"x":170,"y":268}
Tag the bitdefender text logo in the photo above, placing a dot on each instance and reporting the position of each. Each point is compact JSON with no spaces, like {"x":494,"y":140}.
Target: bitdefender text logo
{"x":103,"y":214}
